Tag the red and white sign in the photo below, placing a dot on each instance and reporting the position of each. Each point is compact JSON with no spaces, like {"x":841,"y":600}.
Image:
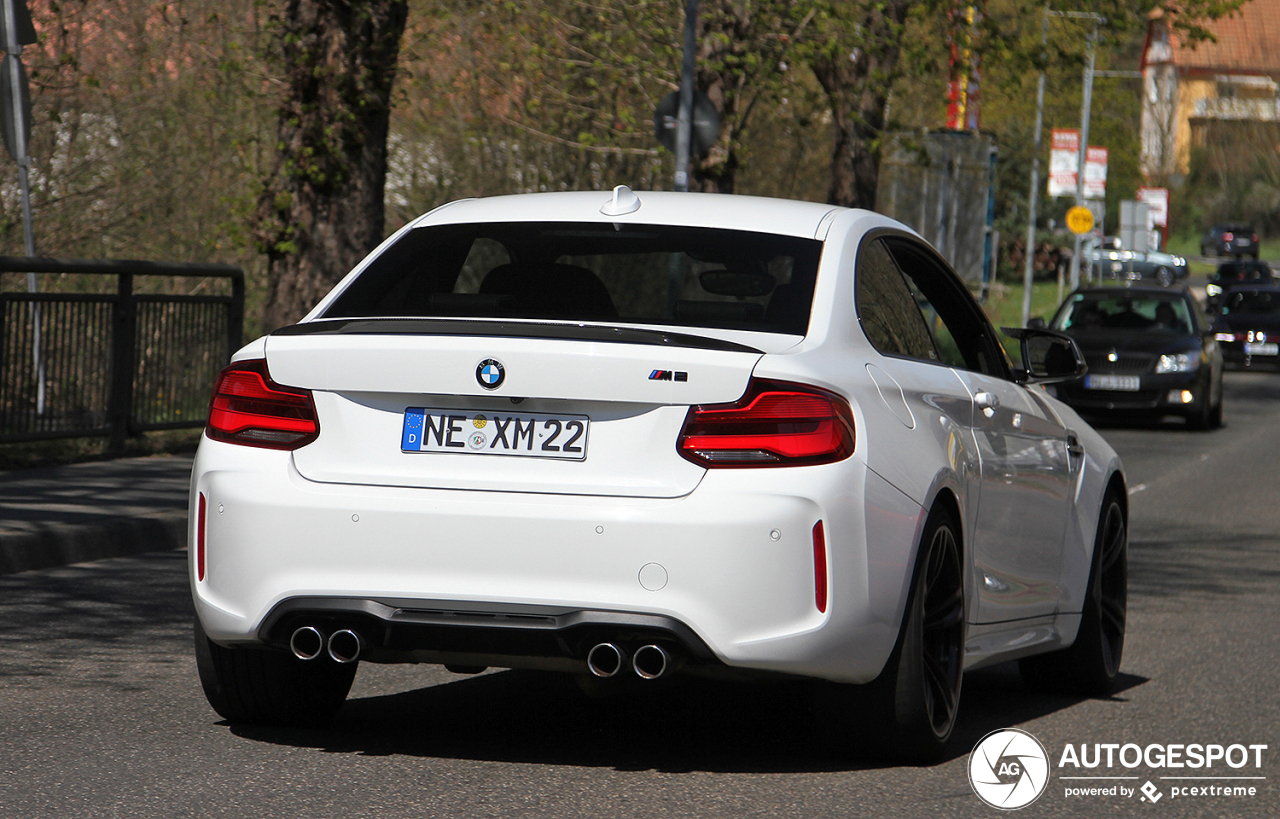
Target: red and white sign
{"x":1064,"y":162}
{"x":1095,"y":173}
{"x":1157,"y":201}
{"x":1064,"y":159}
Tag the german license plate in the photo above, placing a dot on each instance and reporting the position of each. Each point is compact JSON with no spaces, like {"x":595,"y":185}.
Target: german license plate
{"x":1261,"y":348}
{"x":467,"y":432}
{"x":1123,"y":383}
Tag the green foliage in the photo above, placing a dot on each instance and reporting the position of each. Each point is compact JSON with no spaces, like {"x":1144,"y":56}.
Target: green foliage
{"x":161,"y":146}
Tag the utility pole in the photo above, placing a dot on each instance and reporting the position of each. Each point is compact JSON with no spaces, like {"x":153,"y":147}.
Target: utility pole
{"x":1028,"y":270}
{"x":1091,"y":53}
{"x":684,"y":123}
{"x":1028,"y":267}
{"x":16,"y":116}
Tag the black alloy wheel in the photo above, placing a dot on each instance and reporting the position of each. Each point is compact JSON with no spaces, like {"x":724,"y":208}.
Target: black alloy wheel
{"x":907,"y":714}
{"x":1090,"y":665}
{"x":1112,"y":588}
{"x":942,"y":638}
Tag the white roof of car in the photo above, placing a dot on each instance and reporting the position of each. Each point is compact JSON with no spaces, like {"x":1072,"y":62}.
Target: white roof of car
{"x":731,"y":211}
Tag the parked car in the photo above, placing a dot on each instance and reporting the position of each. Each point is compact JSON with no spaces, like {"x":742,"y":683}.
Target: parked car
{"x":1113,"y":262}
{"x":1247,"y":326}
{"x":1230,"y":239}
{"x":1231,"y":275}
{"x":626,"y":436}
{"x":1150,"y":351}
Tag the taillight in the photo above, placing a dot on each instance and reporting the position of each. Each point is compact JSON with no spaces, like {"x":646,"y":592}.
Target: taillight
{"x":775,"y":424}
{"x":1228,"y":236}
{"x":249,"y":408}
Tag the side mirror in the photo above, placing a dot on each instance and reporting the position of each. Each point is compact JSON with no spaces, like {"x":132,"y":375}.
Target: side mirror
{"x":1048,"y":356}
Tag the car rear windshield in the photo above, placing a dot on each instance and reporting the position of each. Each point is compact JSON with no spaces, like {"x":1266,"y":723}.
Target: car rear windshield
{"x":1252,"y":301}
{"x":689,"y":277}
{"x":1243,"y":272}
{"x":1125,"y":311}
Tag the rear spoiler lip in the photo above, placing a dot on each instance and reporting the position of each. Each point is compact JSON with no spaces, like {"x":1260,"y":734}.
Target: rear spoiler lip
{"x":571,"y":331}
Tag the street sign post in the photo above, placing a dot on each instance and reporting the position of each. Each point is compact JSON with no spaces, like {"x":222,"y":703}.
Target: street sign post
{"x":15,"y":123}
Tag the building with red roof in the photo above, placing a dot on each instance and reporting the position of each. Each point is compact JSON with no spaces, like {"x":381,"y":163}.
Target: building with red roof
{"x":1221,"y":97}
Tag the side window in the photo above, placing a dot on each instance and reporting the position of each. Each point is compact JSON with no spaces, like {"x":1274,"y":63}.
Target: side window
{"x":888,"y":312}
{"x":962,"y":334}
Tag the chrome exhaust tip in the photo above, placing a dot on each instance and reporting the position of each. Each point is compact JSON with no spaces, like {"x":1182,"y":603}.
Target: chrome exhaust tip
{"x":650,"y":662}
{"x":306,"y":643}
{"x":605,"y":659}
{"x":345,"y":646}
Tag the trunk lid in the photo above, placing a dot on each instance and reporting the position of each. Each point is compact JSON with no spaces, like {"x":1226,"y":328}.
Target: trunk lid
{"x":630,"y":389}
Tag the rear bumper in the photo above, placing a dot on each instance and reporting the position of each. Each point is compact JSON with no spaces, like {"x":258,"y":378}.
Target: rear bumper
{"x":479,"y":634}
{"x":726,"y":574}
{"x":1234,"y":355}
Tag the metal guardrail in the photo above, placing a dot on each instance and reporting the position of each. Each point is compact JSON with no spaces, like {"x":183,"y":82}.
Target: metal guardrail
{"x":81,"y":364}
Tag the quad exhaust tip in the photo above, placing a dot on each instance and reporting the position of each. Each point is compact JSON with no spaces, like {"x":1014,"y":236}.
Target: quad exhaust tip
{"x":605,"y":660}
{"x":650,"y":662}
{"x":307,"y":643}
{"x":345,"y":646}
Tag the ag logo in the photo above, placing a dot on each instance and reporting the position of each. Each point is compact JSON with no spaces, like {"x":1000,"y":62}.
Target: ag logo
{"x":490,"y":373}
{"x":1009,"y":769}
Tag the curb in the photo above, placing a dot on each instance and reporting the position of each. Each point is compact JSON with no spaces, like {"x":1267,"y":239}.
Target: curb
{"x":57,"y":544}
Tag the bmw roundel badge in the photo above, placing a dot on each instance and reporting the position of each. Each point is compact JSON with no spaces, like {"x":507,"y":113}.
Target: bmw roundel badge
{"x":490,"y":373}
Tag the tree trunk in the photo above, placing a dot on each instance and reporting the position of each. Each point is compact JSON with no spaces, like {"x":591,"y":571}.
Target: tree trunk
{"x":857,"y":82}
{"x":321,"y":209}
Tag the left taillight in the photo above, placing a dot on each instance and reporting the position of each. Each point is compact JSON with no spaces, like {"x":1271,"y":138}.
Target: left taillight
{"x":775,"y":423}
{"x":249,"y":408}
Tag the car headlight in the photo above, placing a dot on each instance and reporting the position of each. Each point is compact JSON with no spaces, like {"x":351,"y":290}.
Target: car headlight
{"x":1213,"y":290}
{"x":1178,"y":363}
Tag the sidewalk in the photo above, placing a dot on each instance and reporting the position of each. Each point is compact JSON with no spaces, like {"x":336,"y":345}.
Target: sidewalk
{"x":72,"y":514}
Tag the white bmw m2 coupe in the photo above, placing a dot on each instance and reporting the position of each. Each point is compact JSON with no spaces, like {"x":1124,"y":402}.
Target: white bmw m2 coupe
{"x":631,"y":435}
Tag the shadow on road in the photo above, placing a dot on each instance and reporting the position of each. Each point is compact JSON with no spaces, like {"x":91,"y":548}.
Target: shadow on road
{"x":678,"y":727}
{"x":1176,"y":560}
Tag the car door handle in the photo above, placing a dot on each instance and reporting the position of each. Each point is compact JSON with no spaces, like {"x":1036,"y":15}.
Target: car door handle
{"x":986,"y":401}
{"x":1074,"y":447}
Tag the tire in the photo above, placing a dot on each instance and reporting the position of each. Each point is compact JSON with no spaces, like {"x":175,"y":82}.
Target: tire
{"x":1164,"y":277}
{"x":1207,"y":415}
{"x":266,"y":687}
{"x":1089,"y":666}
{"x":907,"y":714}
{"x":1201,"y":418}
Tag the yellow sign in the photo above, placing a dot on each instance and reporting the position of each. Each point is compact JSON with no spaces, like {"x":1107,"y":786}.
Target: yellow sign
{"x":1079,"y":220}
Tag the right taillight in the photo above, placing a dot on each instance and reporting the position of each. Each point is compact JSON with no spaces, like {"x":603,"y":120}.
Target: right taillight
{"x":249,"y":408}
{"x":775,"y":424}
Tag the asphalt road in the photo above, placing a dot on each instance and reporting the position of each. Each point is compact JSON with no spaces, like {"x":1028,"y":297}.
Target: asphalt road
{"x":101,"y":714}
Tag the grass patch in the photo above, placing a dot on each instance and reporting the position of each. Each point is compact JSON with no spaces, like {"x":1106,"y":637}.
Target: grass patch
{"x":1004,"y":302}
